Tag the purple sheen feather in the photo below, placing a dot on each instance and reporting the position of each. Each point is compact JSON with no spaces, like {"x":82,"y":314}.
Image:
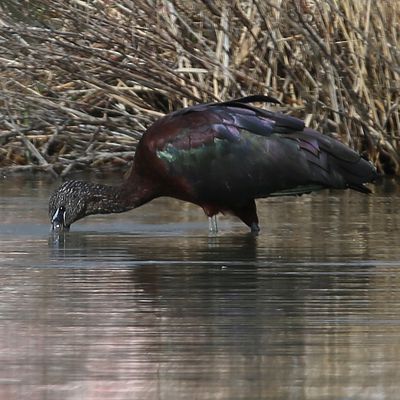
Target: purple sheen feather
{"x":255,"y":124}
{"x":227,"y":131}
{"x":243,"y":111}
{"x":310,"y":146}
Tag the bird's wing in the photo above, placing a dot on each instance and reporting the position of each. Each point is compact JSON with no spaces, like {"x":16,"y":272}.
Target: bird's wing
{"x":232,"y":149}
{"x":239,"y":113}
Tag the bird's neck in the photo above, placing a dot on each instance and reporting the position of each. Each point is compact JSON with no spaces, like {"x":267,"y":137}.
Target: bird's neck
{"x":105,"y":199}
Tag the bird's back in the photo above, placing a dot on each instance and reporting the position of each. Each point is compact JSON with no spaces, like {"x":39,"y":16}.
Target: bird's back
{"x":232,"y":152}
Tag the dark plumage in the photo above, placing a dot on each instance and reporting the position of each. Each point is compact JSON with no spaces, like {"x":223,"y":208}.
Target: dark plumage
{"x":220,"y":156}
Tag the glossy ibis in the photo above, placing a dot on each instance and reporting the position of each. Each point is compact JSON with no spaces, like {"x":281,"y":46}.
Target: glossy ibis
{"x":220,"y":156}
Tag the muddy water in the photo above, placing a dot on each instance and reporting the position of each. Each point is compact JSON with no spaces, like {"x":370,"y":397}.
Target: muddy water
{"x":147,"y":305}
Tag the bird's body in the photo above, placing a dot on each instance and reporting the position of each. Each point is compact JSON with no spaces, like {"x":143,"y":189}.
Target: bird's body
{"x":222,"y":156}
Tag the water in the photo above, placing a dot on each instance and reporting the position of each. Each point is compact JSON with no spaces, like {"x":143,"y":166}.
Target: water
{"x":147,"y":305}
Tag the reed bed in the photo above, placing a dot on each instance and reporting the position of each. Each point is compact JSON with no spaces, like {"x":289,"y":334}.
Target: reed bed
{"x":81,"y":80}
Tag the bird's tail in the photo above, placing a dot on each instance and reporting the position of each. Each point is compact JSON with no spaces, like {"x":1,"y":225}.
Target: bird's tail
{"x":346,"y":168}
{"x":356,"y":174}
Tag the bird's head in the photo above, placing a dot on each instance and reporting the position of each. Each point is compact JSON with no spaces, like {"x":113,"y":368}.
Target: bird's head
{"x":68,"y":204}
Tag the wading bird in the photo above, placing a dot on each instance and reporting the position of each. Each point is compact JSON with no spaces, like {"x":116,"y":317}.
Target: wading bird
{"x":220,"y":156}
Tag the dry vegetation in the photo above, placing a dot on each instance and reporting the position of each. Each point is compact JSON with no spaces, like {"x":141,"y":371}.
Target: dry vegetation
{"x":81,"y":80}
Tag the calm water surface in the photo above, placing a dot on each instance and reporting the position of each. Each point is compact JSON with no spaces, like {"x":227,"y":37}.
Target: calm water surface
{"x":147,"y":305}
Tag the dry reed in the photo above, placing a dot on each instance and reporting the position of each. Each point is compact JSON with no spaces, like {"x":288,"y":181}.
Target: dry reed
{"x":81,"y":80}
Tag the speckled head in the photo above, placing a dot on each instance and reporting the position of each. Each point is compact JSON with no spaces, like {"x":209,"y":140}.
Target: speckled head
{"x":68,"y":204}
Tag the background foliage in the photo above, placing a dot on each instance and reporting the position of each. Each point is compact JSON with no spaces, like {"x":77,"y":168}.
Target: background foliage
{"x":81,"y":80}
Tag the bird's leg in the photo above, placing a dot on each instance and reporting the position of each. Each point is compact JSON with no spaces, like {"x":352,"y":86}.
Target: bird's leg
{"x":255,"y":228}
{"x":212,"y":224}
{"x":248,"y":214}
{"x":211,"y":212}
